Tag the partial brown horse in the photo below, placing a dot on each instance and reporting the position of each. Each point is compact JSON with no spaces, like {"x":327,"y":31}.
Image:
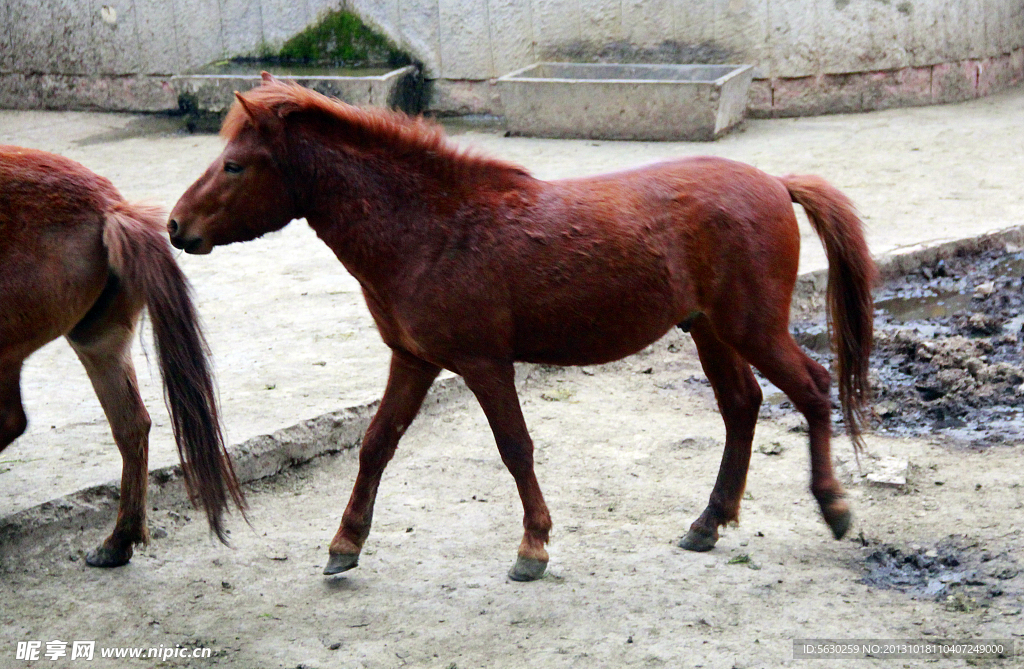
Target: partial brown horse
{"x":470,"y":264}
{"x":77,"y":260}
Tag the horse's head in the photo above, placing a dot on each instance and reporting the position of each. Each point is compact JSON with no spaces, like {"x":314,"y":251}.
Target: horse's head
{"x":244,"y":193}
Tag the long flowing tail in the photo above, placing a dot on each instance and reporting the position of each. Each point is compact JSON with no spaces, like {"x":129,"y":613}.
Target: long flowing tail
{"x":850,"y":307}
{"x":140,"y":256}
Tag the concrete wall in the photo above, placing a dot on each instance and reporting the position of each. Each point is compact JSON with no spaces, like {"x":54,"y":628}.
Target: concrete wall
{"x":811,"y":55}
{"x":479,"y":39}
{"x":118,"y":54}
{"x":805,"y":50}
{"x":120,"y":37}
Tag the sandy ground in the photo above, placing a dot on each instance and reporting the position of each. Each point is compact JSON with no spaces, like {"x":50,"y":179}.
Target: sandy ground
{"x":626,"y":458}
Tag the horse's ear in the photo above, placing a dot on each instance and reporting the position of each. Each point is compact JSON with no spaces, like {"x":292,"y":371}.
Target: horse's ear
{"x":264,"y":120}
{"x":268,"y":78}
{"x":250,"y":110}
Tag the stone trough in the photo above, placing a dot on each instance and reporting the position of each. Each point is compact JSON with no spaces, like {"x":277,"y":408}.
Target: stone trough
{"x":634,"y":102}
{"x":208,"y":95}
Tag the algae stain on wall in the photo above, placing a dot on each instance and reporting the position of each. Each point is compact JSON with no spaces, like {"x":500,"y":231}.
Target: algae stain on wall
{"x":341,"y":38}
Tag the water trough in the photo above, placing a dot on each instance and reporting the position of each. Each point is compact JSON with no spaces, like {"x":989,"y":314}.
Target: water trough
{"x":207,"y":94}
{"x":633,"y":102}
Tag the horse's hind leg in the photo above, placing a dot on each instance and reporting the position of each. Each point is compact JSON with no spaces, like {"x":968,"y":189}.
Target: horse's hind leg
{"x":12,"y":414}
{"x":807,"y":384}
{"x":739,"y":400}
{"x":102,"y":341}
{"x":408,"y":382}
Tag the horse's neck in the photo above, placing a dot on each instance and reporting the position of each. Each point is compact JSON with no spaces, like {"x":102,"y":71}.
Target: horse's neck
{"x":376,"y":230}
{"x":383,"y":216}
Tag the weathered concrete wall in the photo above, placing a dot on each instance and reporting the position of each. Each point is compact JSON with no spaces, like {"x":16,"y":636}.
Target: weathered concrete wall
{"x":125,"y":37}
{"x":119,"y":54}
{"x":811,"y":55}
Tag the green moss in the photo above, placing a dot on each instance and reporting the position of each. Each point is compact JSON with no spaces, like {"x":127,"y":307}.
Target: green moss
{"x":342,"y":39}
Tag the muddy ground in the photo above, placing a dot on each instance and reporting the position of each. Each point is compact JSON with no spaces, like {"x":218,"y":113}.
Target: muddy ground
{"x":626,"y":454}
{"x":948,"y":358}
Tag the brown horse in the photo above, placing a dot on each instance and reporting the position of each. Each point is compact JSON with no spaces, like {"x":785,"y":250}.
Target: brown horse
{"x":77,"y":260}
{"x":470,"y":264}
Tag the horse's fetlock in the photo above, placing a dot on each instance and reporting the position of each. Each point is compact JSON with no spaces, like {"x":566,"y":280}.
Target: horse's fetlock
{"x":345,"y":545}
{"x":828,"y":493}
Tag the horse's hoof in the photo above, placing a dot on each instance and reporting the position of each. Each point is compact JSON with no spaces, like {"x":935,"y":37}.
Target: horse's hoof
{"x":527,"y":569}
{"x":339,"y":562}
{"x":698,"y":541}
{"x":839,"y":522}
{"x":107,"y":557}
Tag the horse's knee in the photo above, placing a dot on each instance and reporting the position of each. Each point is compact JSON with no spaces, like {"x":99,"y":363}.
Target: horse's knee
{"x":742,"y":404}
{"x":517,"y":455}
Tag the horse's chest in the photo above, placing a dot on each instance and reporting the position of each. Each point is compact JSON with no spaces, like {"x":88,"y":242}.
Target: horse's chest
{"x":394,"y":326}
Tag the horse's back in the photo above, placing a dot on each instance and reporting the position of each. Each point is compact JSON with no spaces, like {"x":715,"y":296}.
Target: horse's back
{"x":685,"y":203}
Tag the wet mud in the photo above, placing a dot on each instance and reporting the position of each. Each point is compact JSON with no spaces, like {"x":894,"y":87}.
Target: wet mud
{"x":956,"y":570}
{"x":948,"y":358}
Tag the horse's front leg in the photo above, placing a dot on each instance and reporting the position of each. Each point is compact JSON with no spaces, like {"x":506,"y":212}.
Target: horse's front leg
{"x":493,"y":383}
{"x":408,"y":382}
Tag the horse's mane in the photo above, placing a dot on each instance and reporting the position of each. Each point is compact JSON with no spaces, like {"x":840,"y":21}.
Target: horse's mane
{"x":373,"y":129}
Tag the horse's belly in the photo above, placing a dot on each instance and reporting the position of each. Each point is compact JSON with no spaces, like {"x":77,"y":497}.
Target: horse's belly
{"x":590,"y":341}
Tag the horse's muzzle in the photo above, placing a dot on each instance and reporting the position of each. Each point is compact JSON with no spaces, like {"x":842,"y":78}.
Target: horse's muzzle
{"x":180,"y":241}
{"x":194,"y":245}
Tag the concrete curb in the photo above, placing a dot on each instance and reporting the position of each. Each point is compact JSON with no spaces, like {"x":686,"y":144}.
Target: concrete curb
{"x":268,"y":455}
{"x":256,"y":458}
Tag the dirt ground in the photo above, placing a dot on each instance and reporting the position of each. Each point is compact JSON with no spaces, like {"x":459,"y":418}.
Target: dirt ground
{"x":627,"y":454}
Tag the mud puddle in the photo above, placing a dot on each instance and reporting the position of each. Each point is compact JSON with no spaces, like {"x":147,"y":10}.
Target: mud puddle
{"x":947,"y":355}
{"x":956,"y":570}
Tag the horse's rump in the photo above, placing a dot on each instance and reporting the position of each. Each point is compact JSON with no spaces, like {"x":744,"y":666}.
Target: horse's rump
{"x":77,"y":260}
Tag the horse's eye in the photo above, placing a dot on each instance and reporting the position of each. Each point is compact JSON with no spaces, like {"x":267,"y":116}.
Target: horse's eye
{"x":232,"y":168}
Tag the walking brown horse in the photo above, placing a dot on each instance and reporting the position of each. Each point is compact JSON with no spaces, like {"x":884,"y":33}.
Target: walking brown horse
{"x":471,"y":264}
{"x":77,"y":260}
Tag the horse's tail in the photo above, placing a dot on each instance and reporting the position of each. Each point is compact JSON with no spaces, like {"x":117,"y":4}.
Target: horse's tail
{"x":139,"y":255}
{"x":851,"y":275}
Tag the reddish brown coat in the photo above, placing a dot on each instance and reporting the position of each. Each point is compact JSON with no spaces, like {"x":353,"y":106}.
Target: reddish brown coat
{"x":471,"y":264}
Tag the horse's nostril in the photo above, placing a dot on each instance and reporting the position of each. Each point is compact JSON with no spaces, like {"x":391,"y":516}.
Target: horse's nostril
{"x":172,"y":226}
